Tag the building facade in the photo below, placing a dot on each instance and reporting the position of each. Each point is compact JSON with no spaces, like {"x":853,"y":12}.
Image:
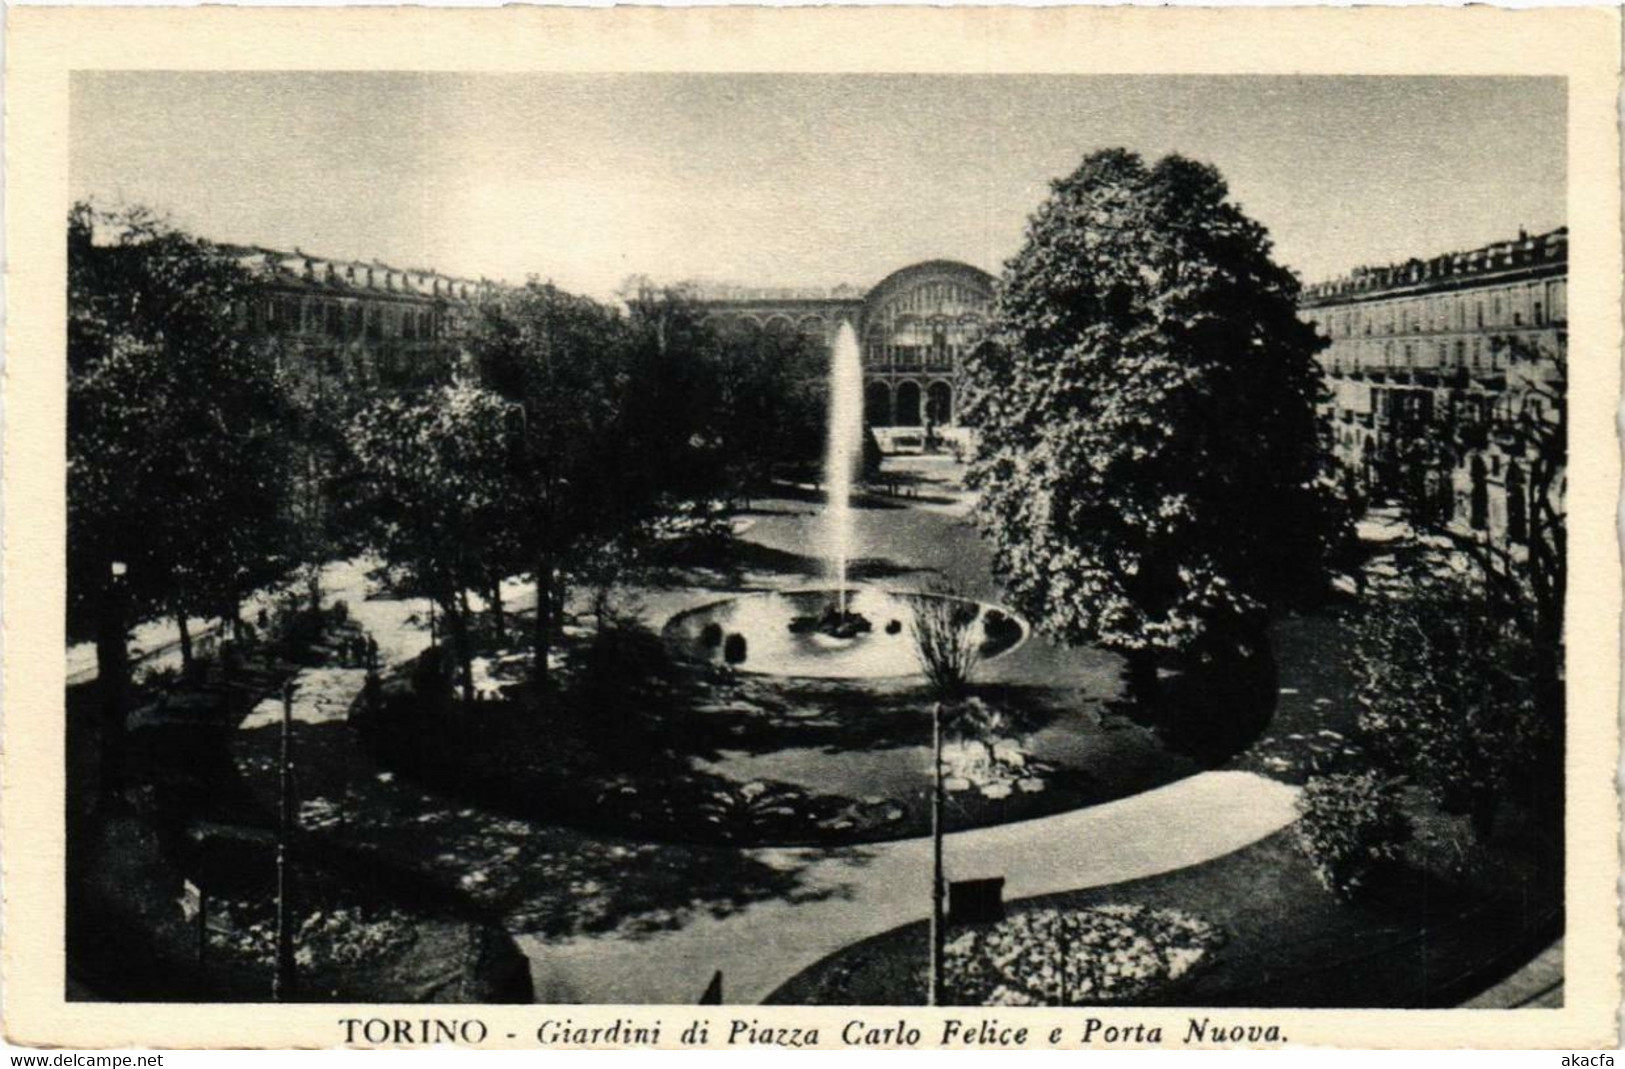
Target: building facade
{"x":1423,"y":360}
{"x":914,"y":328}
{"x":355,"y":328}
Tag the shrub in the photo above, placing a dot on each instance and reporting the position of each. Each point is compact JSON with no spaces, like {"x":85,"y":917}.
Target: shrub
{"x":292,"y":628}
{"x":623,"y":655}
{"x":431,"y":677}
{"x":733,"y":649}
{"x":945,"y":639}
{"x":1351,"y":827}
{"x":711,"y":635}
{"x":1000,"y":630}
{"x":872,"y":456}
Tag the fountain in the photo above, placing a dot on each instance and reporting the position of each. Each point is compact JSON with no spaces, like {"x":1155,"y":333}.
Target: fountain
{"x":843,"y":454}
{"x":830,"y":633}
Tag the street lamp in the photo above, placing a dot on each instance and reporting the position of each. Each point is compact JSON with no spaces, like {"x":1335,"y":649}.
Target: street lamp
{"x":113,"y":671}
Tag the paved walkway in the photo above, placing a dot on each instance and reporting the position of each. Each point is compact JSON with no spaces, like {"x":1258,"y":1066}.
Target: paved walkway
{"x":874,"y":889}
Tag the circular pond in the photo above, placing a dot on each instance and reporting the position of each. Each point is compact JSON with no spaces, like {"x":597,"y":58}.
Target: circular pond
{"x":803,"y":633}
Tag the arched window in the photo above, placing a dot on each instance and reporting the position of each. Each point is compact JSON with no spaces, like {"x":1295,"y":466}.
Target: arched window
{"x":939,"y":404}
{"x":907,"y":413}
{"x":877,"y":404}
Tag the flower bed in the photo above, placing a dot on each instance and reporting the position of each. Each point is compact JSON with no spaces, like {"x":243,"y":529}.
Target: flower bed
{"x":1050,"y":957}
{"x":340,"y":937}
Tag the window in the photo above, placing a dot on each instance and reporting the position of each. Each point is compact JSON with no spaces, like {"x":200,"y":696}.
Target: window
{"x":1539,"y":316}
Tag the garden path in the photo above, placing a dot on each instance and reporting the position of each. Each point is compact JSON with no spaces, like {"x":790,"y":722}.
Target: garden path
{"x":757,"y":949}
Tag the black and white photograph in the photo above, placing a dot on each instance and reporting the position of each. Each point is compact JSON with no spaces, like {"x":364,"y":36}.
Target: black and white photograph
{"x":987,"y":541}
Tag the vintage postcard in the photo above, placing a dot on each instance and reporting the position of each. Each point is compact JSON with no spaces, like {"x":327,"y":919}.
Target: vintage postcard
{"x":854,"y":528}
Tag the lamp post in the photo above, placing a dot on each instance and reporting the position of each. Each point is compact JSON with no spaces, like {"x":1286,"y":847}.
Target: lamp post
{"x":283,"y":980}
{"x":934,"y":991}
{"x":112,"y":672}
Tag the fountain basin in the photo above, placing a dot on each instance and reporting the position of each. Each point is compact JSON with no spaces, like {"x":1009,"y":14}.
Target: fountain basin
{"x":772,"y":638}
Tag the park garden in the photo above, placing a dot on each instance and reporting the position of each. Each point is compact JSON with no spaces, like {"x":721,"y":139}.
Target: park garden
{"x":604,"y":665}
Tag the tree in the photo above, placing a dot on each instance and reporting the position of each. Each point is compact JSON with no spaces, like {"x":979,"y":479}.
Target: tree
{"x":1526,"y":572}
{"x":557,"y":358}
{"x":1446,"y":684}
{"x":1151,"y":470}
{"x":178,"y":444}
{"x":613,"y":412}
{"x":1535,"y":428}
{"x":770,"y":403}
{"x":439,"y":476}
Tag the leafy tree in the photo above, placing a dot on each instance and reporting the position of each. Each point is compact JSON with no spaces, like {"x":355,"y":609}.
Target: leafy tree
{"x":178,"y":444}
{"x":559,"y":359}
{"x":614,"y":428}
{"x":439,"y":473}
{"x":669,"y":434}
{"x":1150,"y":466}
{"x":770,"y":403}
{"x":1447,"y":689}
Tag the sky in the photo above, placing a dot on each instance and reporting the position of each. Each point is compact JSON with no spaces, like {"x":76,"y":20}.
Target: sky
{"x":796,"y":180}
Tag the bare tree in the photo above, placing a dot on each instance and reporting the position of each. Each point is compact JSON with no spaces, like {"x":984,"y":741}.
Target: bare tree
{"x":1527,"y":572}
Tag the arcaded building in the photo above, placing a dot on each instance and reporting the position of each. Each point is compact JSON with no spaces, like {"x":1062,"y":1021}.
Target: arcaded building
{"x":1419,"y":365}
{"x":349,"y":327}
{"x":914,"y":327}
